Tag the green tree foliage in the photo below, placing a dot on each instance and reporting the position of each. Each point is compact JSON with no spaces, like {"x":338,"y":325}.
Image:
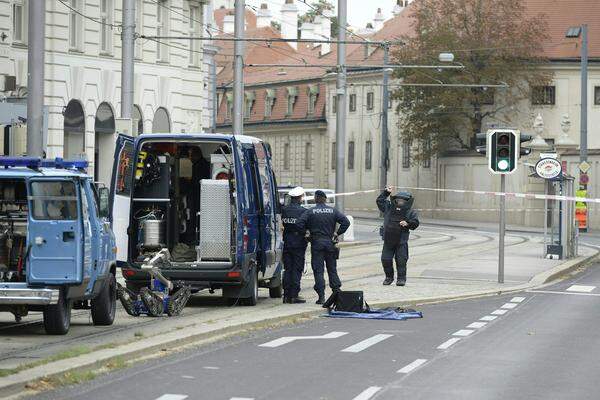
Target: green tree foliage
{"x":496,"y":41}
{"x":317,"y":8}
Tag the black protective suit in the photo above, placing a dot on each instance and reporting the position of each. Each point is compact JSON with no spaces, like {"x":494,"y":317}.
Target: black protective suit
{"x":294,"y":249}
{"x":395,"y":236}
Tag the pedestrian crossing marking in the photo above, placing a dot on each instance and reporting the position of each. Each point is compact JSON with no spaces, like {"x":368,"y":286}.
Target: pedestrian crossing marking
{"x":477,"y":325}
{"x":448,"y":343}
{"x":365,"y":344}
{"x":463,"y":332}
{"x":488,"y":318}
{"x":517,"y":299}
{"x":289,"y":339}
{"x":368,"y":393}
{"x":412,"y":366}
{"x":173,"y":397}
{"x":499,"y":312}
{"x":581,"y":288}
{"x":509,"y":306}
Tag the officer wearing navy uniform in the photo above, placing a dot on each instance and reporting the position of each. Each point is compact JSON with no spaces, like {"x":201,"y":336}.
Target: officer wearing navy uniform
{"x":398,"y":220}
{"x":294,"y":247}
{"x":321,"y":221}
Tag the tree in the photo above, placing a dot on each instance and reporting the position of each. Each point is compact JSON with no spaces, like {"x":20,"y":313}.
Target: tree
{"x":496,"y":41}
{"x":317,"y":9}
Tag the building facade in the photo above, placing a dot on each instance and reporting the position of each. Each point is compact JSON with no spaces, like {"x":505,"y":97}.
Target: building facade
{"x":82,"y":72}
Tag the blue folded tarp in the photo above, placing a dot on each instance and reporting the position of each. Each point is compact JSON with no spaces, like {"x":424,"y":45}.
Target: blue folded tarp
{"x":391,"y":314}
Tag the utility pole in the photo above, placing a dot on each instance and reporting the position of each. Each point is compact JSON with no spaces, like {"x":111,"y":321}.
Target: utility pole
{"x":35,"y":78}
{"x":584,"y":97}
{"x":385,"y":99}
{"x":502,"y":229}
{"x":238,"y":69}
{"x":127,"y":57}
{"x":340,"y":135}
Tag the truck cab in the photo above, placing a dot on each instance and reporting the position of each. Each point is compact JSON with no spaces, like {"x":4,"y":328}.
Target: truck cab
{"x":57,"y":251}
{"x":210,"y":200}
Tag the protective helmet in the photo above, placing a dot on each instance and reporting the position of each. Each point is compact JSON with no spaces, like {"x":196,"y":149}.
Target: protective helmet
{"x":407,"y":198}
{"x":297,"y":191}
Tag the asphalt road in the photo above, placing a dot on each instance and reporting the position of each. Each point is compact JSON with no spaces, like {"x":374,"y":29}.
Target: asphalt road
{"x":530,"y":345}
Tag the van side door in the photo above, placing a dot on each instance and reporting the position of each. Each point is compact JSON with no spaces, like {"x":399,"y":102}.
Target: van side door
{"x":267,"y":196}
{"x":55,"y":233}
{"x":121,"y":187}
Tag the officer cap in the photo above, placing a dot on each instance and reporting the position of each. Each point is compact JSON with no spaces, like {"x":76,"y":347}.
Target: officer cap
{"x":320,"y":193}
{"x":297,"y":191}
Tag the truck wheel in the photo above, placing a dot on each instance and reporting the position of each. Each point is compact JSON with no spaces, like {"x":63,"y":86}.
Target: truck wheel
{"x":57,"y":317}
{"x":253,"y":286}
{"x":276,"y":287}
{"x":104,"y":306}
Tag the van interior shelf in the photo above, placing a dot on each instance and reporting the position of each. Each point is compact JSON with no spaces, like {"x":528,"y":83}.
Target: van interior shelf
{"x":152,"y":200}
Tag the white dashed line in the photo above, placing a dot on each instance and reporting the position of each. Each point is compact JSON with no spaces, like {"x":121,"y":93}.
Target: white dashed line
{"x":463,"y":332}
{"x":242,"y":398}
{"x":488,"y":318}
{"x":368,"y":393}
{"x":448,"y":343}
{"x":209,"y":367}
{"x":499,"y":312}
{"x":509,"y":306}
{"x":517,"y":299}
{"x":187,"y":377}
{"x":289,"y":339}
{"x":581,"y":288}
{"x":567,"y":293}
{"x":413,"y":365}
{"x":172,"y":397}
{"x":365,"y":344}
{"x":477,"y":325}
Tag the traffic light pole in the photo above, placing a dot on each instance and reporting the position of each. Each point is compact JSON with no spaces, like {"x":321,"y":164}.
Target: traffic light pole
{"x":502,"y":229}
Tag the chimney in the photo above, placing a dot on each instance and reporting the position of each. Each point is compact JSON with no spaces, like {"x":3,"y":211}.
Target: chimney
{"x":400,"y":5}
{"x":325,"y":31}
{"x":378,"y":20}
{"x":229,"y":22}
{"x":307,"y":30}
{"x":263,"y":17}
{"x":289,"y":22}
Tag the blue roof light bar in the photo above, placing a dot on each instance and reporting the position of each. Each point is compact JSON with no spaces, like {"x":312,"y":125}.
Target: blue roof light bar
{"x":65,"y":164}
{"x":27,"y":162}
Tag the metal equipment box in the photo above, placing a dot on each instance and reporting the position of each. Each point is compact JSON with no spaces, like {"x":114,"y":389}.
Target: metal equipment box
{"x":215,"y":221}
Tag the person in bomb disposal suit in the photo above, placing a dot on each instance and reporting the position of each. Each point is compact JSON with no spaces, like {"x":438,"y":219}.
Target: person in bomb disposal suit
{"x":294,"y":247}
{"x":321,"y":221}
{"x":398,"y":220}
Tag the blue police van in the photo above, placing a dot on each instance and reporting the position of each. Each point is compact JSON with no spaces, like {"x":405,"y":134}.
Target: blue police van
{"x":57,"y":251}
{"x":210,"y":201}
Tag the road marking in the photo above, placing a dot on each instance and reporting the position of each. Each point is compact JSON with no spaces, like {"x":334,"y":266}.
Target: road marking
{"x":463,"y":332}
{"x":509,"y":306}
{"x":488,"y":318}
{"x":209,"y":367}
{"x":448,"y":343}
{"x":290,"y":339}
{"x":242,"y":398}
{"x":365,"y":344}
{"x":517,"y":299}
{"x":413,"y":365}
{"x":581,"y":288}
{"x":569,"y":293}
{"x":477,"y":325}
{"x":172,"y":397}
{"x":187,"y":377}
{"x":368,"y":393}
{"x":499,"y":312}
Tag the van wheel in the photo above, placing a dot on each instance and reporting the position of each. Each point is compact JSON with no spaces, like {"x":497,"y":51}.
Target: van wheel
{"x":104,"y":306}
{"x":276,"y":287}
{"x":253,"y":286}
{"x":57,"y":317}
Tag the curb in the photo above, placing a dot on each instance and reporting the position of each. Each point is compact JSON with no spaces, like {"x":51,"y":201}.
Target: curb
{"x":12,"y":385}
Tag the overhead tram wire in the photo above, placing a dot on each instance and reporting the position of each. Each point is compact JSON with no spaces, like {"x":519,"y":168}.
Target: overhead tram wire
{"x":88,"y":17}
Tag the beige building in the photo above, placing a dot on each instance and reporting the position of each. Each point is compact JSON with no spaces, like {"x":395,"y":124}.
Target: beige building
{"x":82,"y":72}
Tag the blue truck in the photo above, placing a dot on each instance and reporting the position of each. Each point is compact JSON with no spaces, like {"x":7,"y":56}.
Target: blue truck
{"x":57,"y":251}
{"x":205,"y":206}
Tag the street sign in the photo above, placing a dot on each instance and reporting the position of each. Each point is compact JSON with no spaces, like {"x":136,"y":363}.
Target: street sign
{"x":548,"y":155}
{"x":584,"y":179}
{"x":548,"y":168}
{"x":584,"y":167}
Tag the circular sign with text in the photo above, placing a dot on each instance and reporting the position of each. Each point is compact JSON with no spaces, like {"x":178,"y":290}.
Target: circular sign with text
{"x":548,"y":168}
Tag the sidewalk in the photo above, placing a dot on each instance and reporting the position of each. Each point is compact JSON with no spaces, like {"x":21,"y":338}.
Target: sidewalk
{"x":443,"y":265}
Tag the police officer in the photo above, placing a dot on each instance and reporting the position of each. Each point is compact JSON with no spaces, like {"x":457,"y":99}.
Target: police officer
{"x":321,"y":221}
{"x":398,"y":219}
{"x":294,"y":247}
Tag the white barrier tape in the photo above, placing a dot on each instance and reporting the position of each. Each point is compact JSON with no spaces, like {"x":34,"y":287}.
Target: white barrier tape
{"x":528,"y":196}
{"x":457,"y":209}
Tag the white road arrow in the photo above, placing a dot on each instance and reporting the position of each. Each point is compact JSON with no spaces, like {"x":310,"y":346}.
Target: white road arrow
{"x":290,"y":339}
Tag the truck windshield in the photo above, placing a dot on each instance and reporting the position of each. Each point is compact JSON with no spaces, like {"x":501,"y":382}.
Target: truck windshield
{"x":53,"y":200}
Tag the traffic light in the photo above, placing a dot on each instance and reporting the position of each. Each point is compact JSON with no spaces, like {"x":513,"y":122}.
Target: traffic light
{"x":503,"y":150}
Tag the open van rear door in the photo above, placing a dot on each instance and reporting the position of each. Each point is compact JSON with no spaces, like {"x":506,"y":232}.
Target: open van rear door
{"x":55,"y":240}
{"x":121,"y":187}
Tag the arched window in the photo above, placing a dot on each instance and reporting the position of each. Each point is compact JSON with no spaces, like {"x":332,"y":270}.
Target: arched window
{"x":104,"y":128}
{"x":161,"y":122}
{"x":137,"y":114}
{"x":74,"y":128}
